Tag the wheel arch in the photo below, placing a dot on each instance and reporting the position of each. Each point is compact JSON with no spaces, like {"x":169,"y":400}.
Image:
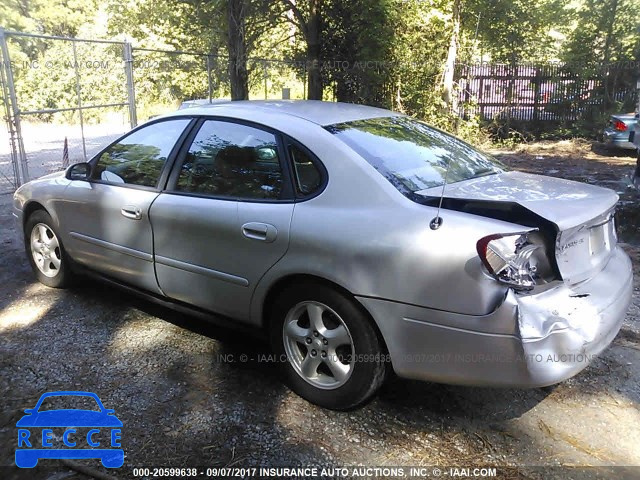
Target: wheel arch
{"x":30,"y":207}
{"x":283,"y":283}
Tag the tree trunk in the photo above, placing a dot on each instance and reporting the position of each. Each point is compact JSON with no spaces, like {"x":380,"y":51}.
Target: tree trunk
{"x":314,"y":32}
{"x":236,"y":44}
{"x":450,"y":65}
{"x":613,"y":8}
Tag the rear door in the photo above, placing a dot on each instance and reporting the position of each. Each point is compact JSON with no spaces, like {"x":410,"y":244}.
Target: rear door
{"x":107,"y":219}
{"x":224,"y":219}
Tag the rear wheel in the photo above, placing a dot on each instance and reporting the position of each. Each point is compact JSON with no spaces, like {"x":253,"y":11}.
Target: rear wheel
{"x":330,"y":352}
{"x":45,"y":251}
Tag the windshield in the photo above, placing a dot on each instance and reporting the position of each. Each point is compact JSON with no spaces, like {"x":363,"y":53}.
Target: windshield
{"x":412,"y":155}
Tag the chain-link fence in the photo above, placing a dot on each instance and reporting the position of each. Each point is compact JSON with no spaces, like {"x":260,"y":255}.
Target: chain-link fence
{"x":64,"y":99}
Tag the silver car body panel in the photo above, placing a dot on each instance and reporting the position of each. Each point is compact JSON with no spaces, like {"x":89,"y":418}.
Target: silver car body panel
{"x":209,"y":254}
{"x":557,"y":333}
{"x":564,"y":202}
{"x":426,"y":290}
{"x":582,"y":213}
{"x":110,"y":242}
{"x":314,"y":111}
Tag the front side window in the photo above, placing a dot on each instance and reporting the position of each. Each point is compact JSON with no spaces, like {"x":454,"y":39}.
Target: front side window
{"x":412,"y":155}
{"x":232,"y":160}
{"x":138,"y":158}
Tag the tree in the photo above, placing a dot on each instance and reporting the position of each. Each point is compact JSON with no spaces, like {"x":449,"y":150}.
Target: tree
{"x":235,"y":27}
{"x":307,"y":16}
{"x":452,"y":54}
{"x":513,"y":31}
{"x":50,"y":17}
{"x":237,"y":49}
{"x":605,"y":38}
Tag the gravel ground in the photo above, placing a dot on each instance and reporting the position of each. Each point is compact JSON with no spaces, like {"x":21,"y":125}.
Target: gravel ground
{"x":186,"y":399}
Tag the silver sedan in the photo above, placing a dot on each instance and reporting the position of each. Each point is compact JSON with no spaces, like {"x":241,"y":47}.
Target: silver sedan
{"x":358,"y":240}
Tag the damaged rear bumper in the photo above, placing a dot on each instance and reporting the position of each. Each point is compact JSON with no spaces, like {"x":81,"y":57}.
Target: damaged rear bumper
{"x":566,"y":327}
{"x":531,"y":340}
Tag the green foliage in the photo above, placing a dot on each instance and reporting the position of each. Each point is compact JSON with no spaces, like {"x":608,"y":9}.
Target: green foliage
{"x":511,"y":31}
{"x":53,"y":17}
{"x":362,"y":42}
{"x":606,"y":31}
{"x":389,"y":53}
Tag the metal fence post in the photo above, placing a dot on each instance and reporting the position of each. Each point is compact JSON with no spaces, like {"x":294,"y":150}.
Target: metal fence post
{"x":15,"y":132}
{"x":536,"y":97}
{"x":79,"y":95}
{"x":131,"y":93}
{"x":304,"y":81}
{"x":264,"y":73}
{"x":209,"y":85}
{"x":7,"y":116}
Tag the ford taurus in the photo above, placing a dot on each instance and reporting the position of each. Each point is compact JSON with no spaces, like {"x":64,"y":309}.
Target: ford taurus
{"x":359,"y":240}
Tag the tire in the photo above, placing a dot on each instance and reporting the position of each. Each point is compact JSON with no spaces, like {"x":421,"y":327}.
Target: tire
{"x":47,"y":256}
{"x":329,"y":352}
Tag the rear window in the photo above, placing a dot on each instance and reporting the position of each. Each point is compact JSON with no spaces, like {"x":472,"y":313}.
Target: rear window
{"x":412,"y":155}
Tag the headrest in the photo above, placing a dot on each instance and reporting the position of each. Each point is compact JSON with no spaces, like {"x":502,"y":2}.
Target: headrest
{"x":234,"y":158}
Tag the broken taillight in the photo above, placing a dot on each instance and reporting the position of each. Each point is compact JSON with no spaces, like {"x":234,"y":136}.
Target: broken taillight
{"x":518,"y":260}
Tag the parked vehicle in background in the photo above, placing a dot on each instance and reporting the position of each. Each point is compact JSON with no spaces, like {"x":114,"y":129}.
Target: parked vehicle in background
{"x":319,"y":225}
{"x":620,"y":132}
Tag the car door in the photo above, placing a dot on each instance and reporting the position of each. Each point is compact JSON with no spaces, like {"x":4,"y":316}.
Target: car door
{"x":224,"y":219}
{"x":107,"y":218}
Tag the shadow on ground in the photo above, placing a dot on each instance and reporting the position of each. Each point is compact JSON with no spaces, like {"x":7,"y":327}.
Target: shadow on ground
{"x":190,"y":394}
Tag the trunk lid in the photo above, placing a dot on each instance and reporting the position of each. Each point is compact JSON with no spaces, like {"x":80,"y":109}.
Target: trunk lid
{"x":582,"y":213}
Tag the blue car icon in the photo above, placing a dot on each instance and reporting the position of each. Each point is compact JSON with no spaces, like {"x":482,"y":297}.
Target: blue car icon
{"x":70,"y":419}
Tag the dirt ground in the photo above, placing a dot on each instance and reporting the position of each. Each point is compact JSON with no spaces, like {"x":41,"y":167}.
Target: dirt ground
{"x":185,"y":402}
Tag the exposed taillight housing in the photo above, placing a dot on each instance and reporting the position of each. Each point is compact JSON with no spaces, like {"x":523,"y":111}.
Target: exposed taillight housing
{"x":619,"y":126}
{"x":516,"y":259}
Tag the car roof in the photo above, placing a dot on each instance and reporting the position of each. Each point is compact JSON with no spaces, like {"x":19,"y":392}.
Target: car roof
{"x":624,"y":116}
{"x":316,"y":111}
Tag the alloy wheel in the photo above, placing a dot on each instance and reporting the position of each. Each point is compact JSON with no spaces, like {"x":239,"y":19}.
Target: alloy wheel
{"x":45,"y":249}
{"x":318,"y":345}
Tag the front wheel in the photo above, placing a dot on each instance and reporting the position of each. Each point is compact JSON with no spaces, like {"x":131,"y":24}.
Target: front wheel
{"x":334,"y":357}
{"x":45,"y":251}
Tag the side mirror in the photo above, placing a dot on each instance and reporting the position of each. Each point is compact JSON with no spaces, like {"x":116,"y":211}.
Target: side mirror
{"x":29,"y":411}
{"x":79,"y":171}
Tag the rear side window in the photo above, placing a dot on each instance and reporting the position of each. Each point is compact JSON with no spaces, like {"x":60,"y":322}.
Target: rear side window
{"x":412,"y":155}
{"x":232,"y":160}
{"x":307,"y":176}
{"x":138,"y":158}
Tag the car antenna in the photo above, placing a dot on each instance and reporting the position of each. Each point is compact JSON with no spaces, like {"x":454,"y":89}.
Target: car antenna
{"x":437,"y":221}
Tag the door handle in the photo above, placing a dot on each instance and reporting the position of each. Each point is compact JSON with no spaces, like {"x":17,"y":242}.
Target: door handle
{"x":260,"y":231}
{"x":130,"y":211}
